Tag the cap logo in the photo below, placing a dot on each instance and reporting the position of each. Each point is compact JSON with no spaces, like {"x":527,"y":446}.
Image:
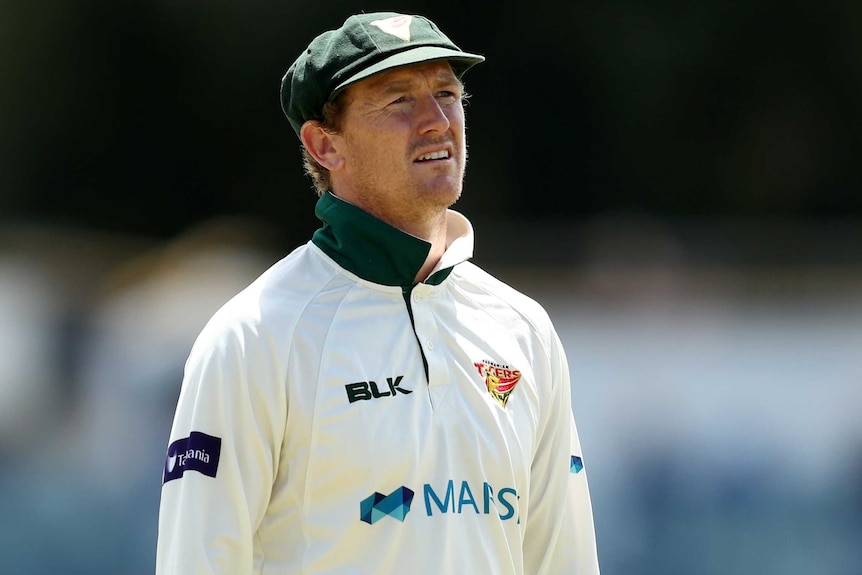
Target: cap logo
{"x":398,"y":26}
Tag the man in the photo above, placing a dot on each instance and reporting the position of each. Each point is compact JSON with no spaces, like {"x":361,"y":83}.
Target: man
{"x":374,"y":403}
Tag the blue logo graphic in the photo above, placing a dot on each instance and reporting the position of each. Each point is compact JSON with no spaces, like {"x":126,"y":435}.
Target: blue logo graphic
{"x":378,"y":506}
{"x":576,"y":465}
{"x":197,"y":452}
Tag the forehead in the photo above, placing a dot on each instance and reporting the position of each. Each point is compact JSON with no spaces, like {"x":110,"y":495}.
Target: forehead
{"x":439,"y":71}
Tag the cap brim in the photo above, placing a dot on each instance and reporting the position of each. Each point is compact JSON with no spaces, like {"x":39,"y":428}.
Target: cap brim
{"x":461,"y":62}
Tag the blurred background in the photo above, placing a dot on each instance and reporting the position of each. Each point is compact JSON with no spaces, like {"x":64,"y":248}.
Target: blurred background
{"x":677,"y":182}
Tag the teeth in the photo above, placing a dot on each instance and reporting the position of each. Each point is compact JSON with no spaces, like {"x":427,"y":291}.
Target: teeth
{"x":434,"y":155}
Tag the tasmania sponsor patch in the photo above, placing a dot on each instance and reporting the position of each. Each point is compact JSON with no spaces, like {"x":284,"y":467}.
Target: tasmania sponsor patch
{"x":500,"y":379}
{"x":197,"y":452}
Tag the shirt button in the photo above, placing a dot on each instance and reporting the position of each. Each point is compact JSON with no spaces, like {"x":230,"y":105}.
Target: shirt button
{"x":429,"y":344}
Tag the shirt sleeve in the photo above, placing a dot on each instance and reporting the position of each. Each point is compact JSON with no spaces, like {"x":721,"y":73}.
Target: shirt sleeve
{"x":559,"y":536}
{"x":222,"y":455}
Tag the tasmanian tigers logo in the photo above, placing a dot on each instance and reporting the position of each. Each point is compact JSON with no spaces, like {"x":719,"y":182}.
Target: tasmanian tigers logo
{"x":500,"y":380}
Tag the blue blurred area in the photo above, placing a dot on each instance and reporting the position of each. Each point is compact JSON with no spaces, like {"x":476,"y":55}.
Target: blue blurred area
{"x":95,"y":333}
{"x":724,"y":432}
{"x":718,"y":405}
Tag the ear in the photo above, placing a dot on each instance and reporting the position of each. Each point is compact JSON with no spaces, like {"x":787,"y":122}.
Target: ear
{"x":321,"y":145}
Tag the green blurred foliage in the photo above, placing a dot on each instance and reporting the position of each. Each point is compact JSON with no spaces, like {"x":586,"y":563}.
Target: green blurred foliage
{"x":149,"y":116}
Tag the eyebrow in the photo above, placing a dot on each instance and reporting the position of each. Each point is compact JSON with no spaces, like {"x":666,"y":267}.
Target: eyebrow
{"x":396,"y":86}
{"x":401,"y":84}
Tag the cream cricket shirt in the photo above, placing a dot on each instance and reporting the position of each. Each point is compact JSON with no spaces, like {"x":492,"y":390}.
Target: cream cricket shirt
{"x":336,"y":419}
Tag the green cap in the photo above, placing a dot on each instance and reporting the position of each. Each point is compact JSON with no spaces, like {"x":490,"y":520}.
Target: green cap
{"x":366,"y":44}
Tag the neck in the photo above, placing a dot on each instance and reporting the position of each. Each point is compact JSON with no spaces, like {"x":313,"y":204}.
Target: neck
{"x":438,"y":246}
{"x":425,"y":222}
{"x":378,"y":252}
{"x":431,"y":228}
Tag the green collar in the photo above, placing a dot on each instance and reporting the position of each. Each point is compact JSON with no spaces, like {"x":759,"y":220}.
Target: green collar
{"x":371,"y":248}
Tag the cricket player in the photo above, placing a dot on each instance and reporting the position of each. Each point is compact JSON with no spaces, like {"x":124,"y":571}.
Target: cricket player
{"x":375,"y":403}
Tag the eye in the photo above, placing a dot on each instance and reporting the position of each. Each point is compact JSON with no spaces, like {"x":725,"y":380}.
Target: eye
{"x":449,"y":95}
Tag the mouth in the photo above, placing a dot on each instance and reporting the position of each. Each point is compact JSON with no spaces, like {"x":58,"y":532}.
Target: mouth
{"x":433,"y":156}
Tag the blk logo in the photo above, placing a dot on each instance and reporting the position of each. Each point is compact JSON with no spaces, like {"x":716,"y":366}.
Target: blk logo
{"x":377,"y":506}
{"x":362,"y":390}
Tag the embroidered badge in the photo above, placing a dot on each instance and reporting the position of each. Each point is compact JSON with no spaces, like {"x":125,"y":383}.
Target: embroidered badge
{"x":398,"y":26}
{"x":499,"y":379}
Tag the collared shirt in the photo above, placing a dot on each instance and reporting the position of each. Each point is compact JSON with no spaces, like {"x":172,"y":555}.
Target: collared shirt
{"x":335,"y":418}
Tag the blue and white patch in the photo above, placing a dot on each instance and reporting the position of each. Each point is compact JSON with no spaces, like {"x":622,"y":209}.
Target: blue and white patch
{"x":197,"y":452}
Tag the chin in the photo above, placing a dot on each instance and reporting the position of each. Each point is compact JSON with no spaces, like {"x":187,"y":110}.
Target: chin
{"x":444,"y":195}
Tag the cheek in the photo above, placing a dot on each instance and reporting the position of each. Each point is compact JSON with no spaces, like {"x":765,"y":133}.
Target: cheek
{"x":365,"y":149}
{"x":375,"y":160}
{"x":456,"y":125}
{"x":456,"y":116}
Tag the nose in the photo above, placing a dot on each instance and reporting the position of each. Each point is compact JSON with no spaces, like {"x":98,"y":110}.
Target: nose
{"x":432,"y":116}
